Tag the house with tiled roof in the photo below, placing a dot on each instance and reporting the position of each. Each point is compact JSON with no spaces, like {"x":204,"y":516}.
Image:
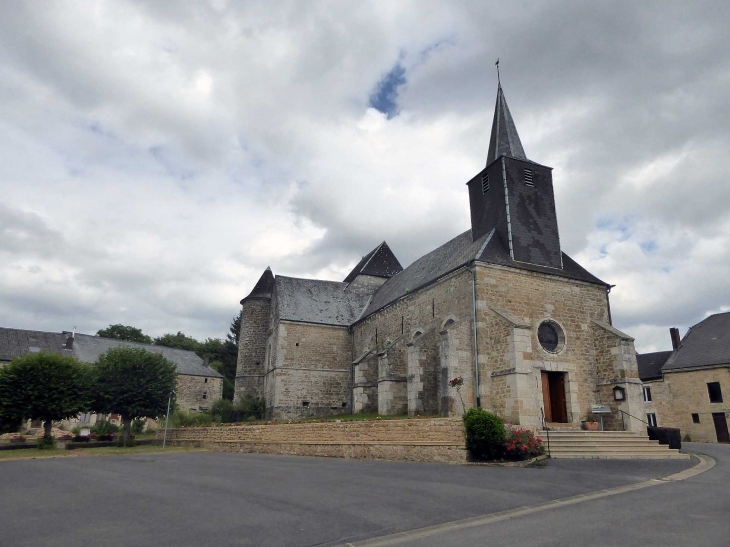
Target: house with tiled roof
{"x":501,"y":307}
{"x":689,"y":387}
{"x":198,"y":386}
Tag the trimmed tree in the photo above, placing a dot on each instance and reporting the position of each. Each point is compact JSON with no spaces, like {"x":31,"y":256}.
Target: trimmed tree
{"x":133,"y":383}
{"x":44,"y":386}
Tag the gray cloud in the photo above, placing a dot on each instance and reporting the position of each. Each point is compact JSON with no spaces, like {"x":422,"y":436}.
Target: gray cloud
{"x":155,"y":158}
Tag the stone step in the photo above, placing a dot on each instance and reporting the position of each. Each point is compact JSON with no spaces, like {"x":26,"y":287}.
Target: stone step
{"x":607,"y":444}
{"x":608,"y":449}
{"x":667,"y":455}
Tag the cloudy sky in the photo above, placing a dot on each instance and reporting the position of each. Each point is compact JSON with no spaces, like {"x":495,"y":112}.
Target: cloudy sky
{"x":155,"y":157}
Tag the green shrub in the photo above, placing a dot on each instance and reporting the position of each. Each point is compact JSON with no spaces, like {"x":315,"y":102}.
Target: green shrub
{"x":251,"y":408}
{"x":223,"y":408}
{"x":46,"y":442}
{"x":484,"y":434}
{"x":105,"y":428}
{"x":189,"y":418}
{"x":137,"y":426}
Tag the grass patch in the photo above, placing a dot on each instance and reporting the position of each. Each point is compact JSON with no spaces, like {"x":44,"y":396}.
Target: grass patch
{"x":370,"y":416}
{"x":34,"y":453}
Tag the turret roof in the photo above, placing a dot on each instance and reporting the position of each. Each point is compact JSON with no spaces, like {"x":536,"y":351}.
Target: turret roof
{"x":264,"y":287}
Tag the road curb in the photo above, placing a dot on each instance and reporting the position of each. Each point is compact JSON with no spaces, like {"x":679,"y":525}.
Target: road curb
{"x":706,"y":463}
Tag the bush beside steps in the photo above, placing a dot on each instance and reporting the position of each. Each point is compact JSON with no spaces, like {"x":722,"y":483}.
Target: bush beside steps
{"x":488,"y":438}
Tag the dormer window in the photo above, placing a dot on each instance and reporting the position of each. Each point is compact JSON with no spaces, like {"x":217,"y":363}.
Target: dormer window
{"x":485,"y":183}
{"x":528,"y":178}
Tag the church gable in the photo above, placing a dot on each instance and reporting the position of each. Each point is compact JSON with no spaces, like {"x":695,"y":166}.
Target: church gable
{"x":380,"y":262}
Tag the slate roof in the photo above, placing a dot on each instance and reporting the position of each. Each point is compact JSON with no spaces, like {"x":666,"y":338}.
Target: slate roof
{"x":456,"y":253}
{"x":88,"y":348}
{"x":315,"y":301}
{"x":504,"y":140}
{"x":705,"y":344}
{"x":264,"y":286}
{"x":16,"y":342}
{"x":650,"y":364}
{"x":380,"y":262}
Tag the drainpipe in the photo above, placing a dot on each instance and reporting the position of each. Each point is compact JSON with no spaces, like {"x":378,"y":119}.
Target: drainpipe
{"x":608,"y":304}
{"x":477,"y":398}
{"x":352,"y":370}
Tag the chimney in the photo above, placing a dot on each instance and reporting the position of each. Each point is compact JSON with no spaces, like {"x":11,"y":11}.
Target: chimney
{"x":674,"y":335}
{"x":70,"y":339}
{"x":206,"y":361}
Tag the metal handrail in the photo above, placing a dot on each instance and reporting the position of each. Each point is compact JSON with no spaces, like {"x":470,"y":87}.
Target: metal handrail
{"x":547,"y":431}
{"x":623,"y":423}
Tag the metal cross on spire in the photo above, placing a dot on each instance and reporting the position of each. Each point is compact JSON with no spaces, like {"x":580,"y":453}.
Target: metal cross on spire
{"x":497,"y":65}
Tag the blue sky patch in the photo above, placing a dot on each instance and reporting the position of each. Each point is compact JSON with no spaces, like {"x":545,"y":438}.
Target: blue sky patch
{"x":648,"y":246}
{"x":385,"y":96}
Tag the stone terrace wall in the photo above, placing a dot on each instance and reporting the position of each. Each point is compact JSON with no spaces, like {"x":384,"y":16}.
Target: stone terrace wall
{"x":434,"y":440}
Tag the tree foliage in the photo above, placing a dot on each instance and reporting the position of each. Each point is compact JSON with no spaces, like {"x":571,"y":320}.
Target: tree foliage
{"x":133,"y":383}
{"x":44,"y":386}
{"x":122,"y":332}
{"x":222,"y":355}
{"x":235,"y":329}
{"x":179,"y":340}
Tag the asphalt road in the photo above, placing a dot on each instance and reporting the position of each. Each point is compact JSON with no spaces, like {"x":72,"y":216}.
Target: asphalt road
{"x":200,"y":499}
{"x":693,"y":512}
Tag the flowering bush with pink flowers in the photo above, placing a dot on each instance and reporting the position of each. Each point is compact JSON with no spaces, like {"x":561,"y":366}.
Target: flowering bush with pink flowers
{"x":520,"y":443}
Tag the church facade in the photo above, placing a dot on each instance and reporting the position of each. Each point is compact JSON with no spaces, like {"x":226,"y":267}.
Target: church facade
{"x":523,"y":329}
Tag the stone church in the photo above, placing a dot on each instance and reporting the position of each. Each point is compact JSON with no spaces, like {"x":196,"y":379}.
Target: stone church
{"x":500,"y":306}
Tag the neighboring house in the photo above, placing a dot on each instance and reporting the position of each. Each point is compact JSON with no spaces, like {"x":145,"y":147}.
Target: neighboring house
{"x":198,"y":386}
{"x":691,"y":390}
{"x":525,"y":327}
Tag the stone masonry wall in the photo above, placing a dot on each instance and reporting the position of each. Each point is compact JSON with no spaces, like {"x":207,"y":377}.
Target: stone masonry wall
{"x":681,"y":394}
{"x":413,"y":327}
{"x":197,"y":392}
{"x":252,"y":347}
{"x":311,"y":374}
{"x":511,"y":304}
{"x":433,"y":440}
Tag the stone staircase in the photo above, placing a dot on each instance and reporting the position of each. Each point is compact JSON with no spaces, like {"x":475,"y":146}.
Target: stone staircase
{"x":615,"y":445}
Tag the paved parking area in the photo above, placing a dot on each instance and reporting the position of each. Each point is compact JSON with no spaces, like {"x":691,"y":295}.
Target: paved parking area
{"x":209,"y":498}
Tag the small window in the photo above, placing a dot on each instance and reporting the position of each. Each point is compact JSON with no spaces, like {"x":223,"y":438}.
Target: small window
{"x":651,"y":418}
{"x":528,"y":178}
{"x":485,"y":183}
{"x":305,"y":403}
{"x":695,"y":418}
{"x":344,"y":405}
{"x":297,"y":344}
{"x":713,"y":388}
{"x":205,"y":395}
{"x":206,"y":381}
{"x":647,"y":394}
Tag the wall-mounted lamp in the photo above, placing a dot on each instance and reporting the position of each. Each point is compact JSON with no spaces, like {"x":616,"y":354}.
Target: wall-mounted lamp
{"x":619,"y":393}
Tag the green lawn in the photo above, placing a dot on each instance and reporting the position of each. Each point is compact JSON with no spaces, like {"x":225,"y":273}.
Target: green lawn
{"x":372,"y":416}
{"x":33,"y":453}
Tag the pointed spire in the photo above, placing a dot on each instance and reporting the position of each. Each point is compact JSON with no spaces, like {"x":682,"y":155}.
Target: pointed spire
{"x":504,"y":140}
{"x":264,"y":287}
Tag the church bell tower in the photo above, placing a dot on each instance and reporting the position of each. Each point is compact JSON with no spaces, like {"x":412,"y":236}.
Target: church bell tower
{"x":514,"y":197}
